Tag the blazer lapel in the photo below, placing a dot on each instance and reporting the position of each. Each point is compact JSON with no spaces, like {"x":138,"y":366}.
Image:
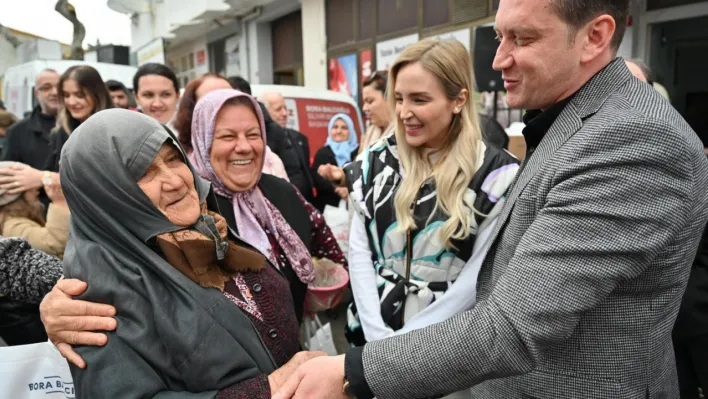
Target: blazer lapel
{"x":567,"y":123}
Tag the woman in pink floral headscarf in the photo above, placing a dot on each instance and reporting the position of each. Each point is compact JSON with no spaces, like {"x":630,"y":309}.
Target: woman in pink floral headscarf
{"x":228,"y":137}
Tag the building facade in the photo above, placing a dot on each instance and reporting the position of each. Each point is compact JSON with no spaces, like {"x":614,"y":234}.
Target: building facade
{"x":336,"y":44}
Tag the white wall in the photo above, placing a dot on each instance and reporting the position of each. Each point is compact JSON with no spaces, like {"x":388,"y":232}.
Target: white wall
{"x":259,"y":46}
{"x":166,"y":15}
{"x":625,"y":49}
{"x":314,"y":43}
{"x":8,"y":55}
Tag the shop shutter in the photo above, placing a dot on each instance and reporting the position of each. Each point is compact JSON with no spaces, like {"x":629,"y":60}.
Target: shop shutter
{"x":366,"y":19}
{"x":396,"y":15}
{"x":469,"y":10}
{"x":286,"y":34}
{"x":435,"y":12}
{"x":340,"y":22}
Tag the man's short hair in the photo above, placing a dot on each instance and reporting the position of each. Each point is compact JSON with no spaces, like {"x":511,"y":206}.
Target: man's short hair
{"x":240,"y":84}
{"x":46,"y":70}
{"x":577,"y":13}
{"x":114,"y":85}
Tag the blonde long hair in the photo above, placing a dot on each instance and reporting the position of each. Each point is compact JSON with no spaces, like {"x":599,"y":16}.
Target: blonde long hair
{"x":450,"y":62}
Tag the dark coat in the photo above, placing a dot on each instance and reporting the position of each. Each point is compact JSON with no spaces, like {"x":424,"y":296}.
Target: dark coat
{"x":283,"y":196}
{"x":281,"y":144}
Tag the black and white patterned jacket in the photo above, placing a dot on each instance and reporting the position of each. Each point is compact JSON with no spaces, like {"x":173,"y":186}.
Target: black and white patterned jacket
{"x":26,"y":274}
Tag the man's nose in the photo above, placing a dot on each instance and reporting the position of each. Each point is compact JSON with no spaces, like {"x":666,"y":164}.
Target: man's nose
{"x":503,"y":59}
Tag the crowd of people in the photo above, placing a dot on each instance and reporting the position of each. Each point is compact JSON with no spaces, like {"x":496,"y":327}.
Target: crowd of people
{"x":188,"y":228}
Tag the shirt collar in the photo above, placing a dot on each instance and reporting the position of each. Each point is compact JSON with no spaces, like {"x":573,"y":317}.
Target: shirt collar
{"x":538,"y":122}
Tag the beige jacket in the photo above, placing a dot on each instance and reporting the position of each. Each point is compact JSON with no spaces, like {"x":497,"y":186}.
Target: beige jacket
{"x":50,"y":238}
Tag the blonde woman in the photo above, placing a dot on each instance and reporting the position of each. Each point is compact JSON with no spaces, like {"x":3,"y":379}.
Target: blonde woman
{"x":417,"y":243}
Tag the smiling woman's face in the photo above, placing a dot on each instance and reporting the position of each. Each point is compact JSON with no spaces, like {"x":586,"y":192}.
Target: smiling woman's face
{"x":237,"y":149}
{"x":169,"y":184}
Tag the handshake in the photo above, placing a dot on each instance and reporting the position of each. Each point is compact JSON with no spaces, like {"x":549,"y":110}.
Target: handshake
{"x":309,"y":375}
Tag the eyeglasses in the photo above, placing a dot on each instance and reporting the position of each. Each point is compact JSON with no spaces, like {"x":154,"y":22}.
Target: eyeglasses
{"x":47,"y":88}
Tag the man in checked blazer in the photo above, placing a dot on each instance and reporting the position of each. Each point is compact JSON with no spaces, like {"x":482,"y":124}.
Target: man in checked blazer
{"x":580,"y":289}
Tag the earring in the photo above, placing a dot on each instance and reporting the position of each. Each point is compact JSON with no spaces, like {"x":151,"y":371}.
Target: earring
{"x":457,"y":110}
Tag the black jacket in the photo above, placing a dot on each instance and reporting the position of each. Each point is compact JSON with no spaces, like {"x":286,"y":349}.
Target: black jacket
{"x":325,"y":189}
{"x":301,"y":148}
{"x":56,"y":142}
{"x":28,"y":140}
{"x":284,"y":198}
{"x":281,"y":144}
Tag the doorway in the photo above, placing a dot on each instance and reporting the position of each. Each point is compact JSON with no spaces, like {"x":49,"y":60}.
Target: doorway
{"x":679,"y":60}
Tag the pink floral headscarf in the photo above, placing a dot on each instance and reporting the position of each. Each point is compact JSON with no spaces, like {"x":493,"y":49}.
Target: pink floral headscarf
{"x":254,"y":213}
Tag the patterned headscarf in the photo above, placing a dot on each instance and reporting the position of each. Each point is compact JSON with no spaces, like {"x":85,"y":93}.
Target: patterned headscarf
{"x":254,"y":213}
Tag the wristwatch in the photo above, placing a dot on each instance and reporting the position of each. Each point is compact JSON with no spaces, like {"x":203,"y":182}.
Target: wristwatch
{"x":347,"y":390}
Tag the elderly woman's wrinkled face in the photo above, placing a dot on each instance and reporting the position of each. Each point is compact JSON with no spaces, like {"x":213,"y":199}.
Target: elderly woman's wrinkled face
{"x":169,"y":184}
{"x":237,"y":150}
{"x":340,"y":131}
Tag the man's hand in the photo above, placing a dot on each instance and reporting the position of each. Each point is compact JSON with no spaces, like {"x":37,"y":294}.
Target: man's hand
{"x":321,"y":378}
{"x":68,"y":321}
{"x":20,"y":178}
{"x":277,"y":378}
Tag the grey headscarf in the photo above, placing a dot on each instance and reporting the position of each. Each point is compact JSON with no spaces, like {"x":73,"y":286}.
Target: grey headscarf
{"x":172,"y":335}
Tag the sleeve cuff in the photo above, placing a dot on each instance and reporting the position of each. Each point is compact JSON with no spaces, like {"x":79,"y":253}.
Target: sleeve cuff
{"x":354,"y":373}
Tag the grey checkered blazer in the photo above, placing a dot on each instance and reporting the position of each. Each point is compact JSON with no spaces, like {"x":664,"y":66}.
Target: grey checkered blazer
{"x":579,"y":291}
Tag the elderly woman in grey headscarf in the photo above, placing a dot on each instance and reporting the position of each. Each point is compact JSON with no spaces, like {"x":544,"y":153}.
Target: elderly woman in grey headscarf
{"x":183,"y":284}
{"x":269,"y":213}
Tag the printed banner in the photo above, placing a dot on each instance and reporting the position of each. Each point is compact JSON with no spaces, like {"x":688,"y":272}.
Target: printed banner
{"x":388,"y":51}
{"x":462,"y":35}
{"x":311,"y":117}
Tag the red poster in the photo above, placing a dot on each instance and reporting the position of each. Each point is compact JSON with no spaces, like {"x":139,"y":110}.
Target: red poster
{"x":365,"y":70}
{"x":201,"y":57}
{"x":365,"y":66}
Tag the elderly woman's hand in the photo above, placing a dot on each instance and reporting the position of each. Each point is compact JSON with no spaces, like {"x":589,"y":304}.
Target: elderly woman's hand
{"x":277,"y":378}
{"x":69,"y":321}
{"x":333,"y":173}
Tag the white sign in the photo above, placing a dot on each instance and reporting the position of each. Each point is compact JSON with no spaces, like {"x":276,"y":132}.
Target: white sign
{"x":152,"y":52}
{"x":462,"y":35}
{"x":233,"y":55}
{"x":388,"y":51}
{"x":293,"y":119}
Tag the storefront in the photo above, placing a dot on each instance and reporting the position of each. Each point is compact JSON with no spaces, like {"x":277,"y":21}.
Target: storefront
{"x":286,"y":33}
{"x":360,"y":40}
